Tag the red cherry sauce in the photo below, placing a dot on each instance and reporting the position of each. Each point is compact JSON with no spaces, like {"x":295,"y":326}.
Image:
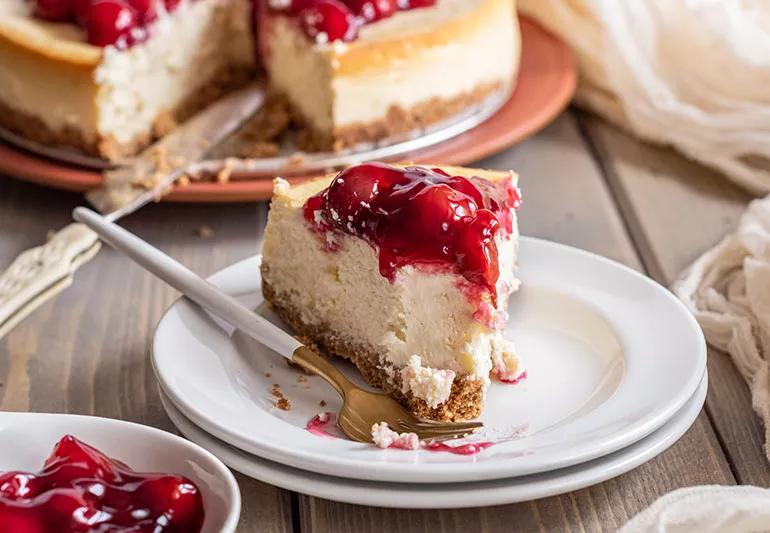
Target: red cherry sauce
{"x":421,"y":217}
{"x":340,"y":20}
{"x":81,"y":489}
{"x":470,"y":448}
{"x":118,"y":23}
{"x":324,"y":425}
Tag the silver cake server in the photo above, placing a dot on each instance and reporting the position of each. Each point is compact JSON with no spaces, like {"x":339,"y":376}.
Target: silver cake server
{"x":39,"y":274}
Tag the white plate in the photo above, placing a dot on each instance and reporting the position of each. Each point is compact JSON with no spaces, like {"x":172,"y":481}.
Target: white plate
{"x":611,"y":356}
{"x":449,"y":495}
{"x":26,"y":439}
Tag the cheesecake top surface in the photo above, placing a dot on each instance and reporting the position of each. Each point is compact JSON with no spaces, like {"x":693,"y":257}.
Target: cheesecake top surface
{"x":445,"y":218}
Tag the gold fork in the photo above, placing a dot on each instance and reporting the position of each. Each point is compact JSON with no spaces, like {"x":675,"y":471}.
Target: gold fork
{"x":361,"y":409}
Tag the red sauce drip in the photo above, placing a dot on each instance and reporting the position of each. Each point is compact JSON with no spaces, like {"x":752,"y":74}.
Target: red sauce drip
{"x":419,"y":216}
{"x":340,"y":20}
{"x":471,"y":448}
{"x":81,"y":489}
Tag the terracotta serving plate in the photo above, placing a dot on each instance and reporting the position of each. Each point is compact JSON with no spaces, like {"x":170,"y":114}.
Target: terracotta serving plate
{"x":547,"y":80}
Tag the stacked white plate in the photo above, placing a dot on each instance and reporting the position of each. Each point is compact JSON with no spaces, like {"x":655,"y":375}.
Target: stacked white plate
{"x":616,"y":374}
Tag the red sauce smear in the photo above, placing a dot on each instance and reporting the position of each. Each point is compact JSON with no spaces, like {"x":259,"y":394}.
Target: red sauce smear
{"x":471,"y":448}
{"x":515,"y":381}
{"x":324,"y":425}
{"x":81,"y":489}
{"x":421,"y":217}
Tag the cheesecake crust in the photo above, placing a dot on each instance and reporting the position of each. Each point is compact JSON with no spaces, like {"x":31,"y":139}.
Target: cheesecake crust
{"x":465,"y":400}
{"x":397,"y":121}
{"x":106,"y":146}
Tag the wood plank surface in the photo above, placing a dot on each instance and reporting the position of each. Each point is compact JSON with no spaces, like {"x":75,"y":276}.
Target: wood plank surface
{"x":565,"y":199}
{"x":86,"y":352}
{"x":676,"y":209}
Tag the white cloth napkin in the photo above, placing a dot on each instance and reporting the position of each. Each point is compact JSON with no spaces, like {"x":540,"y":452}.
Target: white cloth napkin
{"x":708,"y":509}
{"x":691,"y":73}
{"x":728,"y":291}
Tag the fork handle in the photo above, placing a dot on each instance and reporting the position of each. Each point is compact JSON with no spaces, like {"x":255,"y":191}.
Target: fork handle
{"x":316,"y":364}
{"x":190,"y":284}
{"x":40,"y":273}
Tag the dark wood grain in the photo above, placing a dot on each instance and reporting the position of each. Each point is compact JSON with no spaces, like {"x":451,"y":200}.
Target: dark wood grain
{"x":86,"y":352}
{"x":566,"y":200}
{"x":676,"y":209}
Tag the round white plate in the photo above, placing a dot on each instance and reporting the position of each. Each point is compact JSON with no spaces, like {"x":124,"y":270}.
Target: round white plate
{"x":448,"y":495}
{"x":611,"y":356}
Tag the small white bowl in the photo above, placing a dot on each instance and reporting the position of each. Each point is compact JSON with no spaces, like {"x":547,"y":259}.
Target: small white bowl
{"x":26,"y":439}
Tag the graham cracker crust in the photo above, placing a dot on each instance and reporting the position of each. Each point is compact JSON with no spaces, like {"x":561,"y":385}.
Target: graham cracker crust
{"x":107,"y":147}
{"x":398,"y":120}
{"x":465,"y":400}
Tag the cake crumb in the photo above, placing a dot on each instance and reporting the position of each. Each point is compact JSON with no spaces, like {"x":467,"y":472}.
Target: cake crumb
{"x":283,"y":404}
{"x":384,"y":437}
{"x":204,"y":232}
{"x":301,"y":378}
{"x":268,"y":375}
{"x":223,"y":176}
{"x":183,"y":180}
{"x":260,"y":149}
{"x":322,"y":403}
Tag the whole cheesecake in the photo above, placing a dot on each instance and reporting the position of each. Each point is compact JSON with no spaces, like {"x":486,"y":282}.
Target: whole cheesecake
{"x":108,"y":76}
{"x":406,"y":271}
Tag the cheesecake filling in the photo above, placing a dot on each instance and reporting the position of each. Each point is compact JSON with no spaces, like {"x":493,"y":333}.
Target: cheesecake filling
{"x":188,"y":48}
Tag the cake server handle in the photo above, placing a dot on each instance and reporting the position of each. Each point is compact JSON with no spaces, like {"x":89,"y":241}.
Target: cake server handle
{"x":40,"y":273}
{"x":190,"y":284}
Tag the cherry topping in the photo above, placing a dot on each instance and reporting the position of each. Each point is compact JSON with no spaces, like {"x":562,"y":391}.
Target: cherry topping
{"x":328,"y":20}
{"x":171,"y":5}
{"x":145,"y":10}
{"x":332,"y":20}
{"x":81,"y":8}
{"x":415,"y":4}
{"x":81,"y":489}
{"x":418,"y":216}
{"x":373,"y":10}
{"x":110,"y":22}
{"x":54,"y":10}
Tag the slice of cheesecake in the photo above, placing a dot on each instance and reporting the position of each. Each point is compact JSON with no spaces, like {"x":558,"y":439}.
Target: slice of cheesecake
{"x":405,"y":271}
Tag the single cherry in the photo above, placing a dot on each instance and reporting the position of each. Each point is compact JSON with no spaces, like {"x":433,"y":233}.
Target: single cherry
{"x":54,"y":10}
{"x":329,"y":20}
{"x":110,"y":23}
{"x":171,"y":5}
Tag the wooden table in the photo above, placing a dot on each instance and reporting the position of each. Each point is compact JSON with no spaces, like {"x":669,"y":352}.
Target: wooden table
{"x":585,"y":184}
